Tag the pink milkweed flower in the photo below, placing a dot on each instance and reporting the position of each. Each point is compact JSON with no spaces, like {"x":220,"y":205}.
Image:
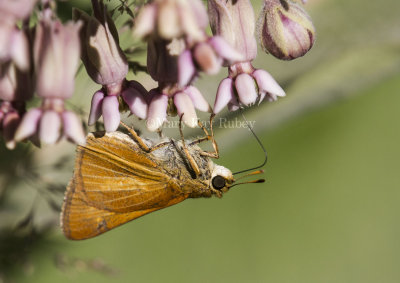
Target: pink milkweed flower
{"x":285,"y":29}
{"x":133,"y":94}
{"x":245,"y":85}
{"x":169,"y":19}
{"x":14,"y":45}
{"x":15,"y":90}
{"x":56,"y":57}
{"x":10,"y":117}
{"x":207,"y":56}
{"x":106,"y":64}
{"x":234,"y":21}
{"x":172,"y":99}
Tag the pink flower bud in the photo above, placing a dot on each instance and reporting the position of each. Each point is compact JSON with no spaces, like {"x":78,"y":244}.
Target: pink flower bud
{"x":285,"y":29}
{"x":235,"y":22}
{"x":102,"y":56}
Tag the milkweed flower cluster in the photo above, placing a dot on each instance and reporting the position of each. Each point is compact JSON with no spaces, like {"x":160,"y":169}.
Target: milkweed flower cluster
{"x":39,"y":55}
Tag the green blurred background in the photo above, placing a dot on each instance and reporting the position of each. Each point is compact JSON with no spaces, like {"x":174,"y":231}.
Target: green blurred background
{"x":329,"y":211}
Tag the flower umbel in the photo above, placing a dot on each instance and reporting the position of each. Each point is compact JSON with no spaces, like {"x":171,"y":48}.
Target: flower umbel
{"x":245,"y":85}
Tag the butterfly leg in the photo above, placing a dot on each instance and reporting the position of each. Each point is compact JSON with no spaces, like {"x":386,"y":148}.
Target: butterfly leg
{"x":191,"y":160}
{"x":208,"y":137}
{"x":140,"y":141}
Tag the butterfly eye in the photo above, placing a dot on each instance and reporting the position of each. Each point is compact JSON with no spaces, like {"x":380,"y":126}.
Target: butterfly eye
{"x":218,"y":182}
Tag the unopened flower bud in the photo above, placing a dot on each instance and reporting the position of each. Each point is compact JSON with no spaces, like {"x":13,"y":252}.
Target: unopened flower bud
{"x":285,"y":29}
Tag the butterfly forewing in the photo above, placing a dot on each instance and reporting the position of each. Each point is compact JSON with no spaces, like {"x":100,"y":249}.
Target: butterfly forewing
{"x":114,"y":182}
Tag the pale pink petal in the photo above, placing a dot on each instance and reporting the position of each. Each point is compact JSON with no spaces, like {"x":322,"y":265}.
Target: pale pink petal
{"x":267,"y":84}
{"x":225,"y":50}
{"x":145,"y":21}
{"x":246,"y":89}
{"x":136,"y":102}
{"x":184,"y":105}
{"x":95,"y":109}
{"x":111,"y":116}
{"x":50,"y":126}
{"x":224,"y":94}
{"x":262,"y":96}
{"x":20,"y":50}
{"x":207,"y":59}
{"x":190,"y":23}
{"x":10,"y":124}
{"x":168,"y":24}
{"x":198,"y":100}
{"x":157,"y":112}
{"x":186,"y":68}
{"x":199,"y":12}
{"x":28,"y":125}
{"x":73,"y":128}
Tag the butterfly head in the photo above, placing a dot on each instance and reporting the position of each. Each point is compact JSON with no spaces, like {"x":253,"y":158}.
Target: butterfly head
{"x":221,"y":180}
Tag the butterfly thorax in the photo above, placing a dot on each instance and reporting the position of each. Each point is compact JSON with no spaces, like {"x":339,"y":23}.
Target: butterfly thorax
{"x":174,"y":163}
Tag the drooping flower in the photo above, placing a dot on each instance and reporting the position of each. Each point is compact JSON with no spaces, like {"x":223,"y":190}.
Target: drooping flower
{"x":234,"y":21}
{"x":207,"y":56}
{"x":175,"y":100}
{"x":245,"y":86}
{"x":56,"y":57}
{"x":169,"y":19}
{"x":14,"y":45}
{"x":107,"y":65}
{"x":170,"y":97}
{"x":285,"y":29}
{"x":15,"y":90}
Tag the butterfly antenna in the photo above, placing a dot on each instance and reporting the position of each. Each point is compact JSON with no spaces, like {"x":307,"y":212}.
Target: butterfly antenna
{"x":259,"y":142}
